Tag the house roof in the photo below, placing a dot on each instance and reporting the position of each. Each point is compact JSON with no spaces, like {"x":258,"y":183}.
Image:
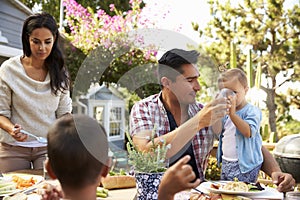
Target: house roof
{"x":101,"y":93}
{"x":5,"y":49}
{"x":21,"y":6}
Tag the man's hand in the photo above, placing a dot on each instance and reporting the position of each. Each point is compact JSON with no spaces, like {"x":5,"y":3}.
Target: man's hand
{"x":284,"y":181}
{"x":177,"y":178}
{"x":213,"y":111}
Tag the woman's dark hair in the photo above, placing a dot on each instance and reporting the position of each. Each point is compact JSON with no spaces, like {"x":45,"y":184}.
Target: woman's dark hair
{"x":54,"y":63}
{"x":171,"y":62}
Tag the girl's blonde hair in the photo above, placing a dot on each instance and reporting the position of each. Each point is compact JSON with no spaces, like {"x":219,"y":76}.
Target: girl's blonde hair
{"x":233,"y":73}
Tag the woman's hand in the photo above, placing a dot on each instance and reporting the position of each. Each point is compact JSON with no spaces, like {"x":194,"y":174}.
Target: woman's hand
{"x":17,"y":135}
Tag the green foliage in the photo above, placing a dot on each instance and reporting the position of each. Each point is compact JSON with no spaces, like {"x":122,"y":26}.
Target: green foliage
{"x":134,"y":82}
{"x":213,"y":171}
{"x":208,"y":77}
{"x":50,"y":6}
{"x":153,"y":160}
{"x":249,"y":69}
{"x":290,"y":127}
{"x":232,"y":55}
{"x":73,"y":57}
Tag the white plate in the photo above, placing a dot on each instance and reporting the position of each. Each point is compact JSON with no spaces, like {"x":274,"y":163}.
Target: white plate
{"x":8,"y":177}
{"x":207,"y":186}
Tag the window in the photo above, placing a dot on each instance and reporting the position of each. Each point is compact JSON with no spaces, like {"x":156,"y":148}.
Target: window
{"x":111,"y":118}
{"x":99,"y":114}
{"x":115,"y":121}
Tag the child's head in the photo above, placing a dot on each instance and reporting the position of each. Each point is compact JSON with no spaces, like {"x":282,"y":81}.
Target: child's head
{"x":236,"y":80}
{"x":232,"y":76}
{"x":77,"y":151}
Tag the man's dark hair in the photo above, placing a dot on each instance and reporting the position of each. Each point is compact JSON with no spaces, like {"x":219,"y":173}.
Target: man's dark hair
{"x":69,"y":154}
{"x":171,"y":62}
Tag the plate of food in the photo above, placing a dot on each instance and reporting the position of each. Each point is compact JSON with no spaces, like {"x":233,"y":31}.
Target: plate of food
{"x":233,"y":187}
{"x":13,"y":183}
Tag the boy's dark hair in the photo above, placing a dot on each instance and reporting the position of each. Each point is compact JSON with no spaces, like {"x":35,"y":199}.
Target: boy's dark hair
{"x":55,"y":61}
{"x":75,"y":145}
{"x":171,"y":62}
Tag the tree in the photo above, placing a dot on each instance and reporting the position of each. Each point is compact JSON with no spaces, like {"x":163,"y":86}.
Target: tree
{"x":110,"y":48}
{"x":273,"y":34}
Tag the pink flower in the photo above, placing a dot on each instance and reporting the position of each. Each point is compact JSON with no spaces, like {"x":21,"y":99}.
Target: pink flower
{"x":112,"y":7}
{"x":89,"y":29}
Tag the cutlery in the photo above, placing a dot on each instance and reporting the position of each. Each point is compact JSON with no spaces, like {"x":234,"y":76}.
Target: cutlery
{"x":39,"y":139}
{"x":26,"y":191}
{"x":197,"y":190}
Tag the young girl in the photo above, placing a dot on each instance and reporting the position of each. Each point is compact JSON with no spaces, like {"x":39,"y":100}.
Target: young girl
{"x":240,"y":141}
{"x":34,"y":92}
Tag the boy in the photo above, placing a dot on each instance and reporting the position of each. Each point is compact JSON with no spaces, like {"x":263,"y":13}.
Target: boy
{"x":78,"y":155}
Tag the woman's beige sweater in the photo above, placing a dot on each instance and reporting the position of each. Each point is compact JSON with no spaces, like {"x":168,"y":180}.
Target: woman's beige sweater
{"x":28,"y":102}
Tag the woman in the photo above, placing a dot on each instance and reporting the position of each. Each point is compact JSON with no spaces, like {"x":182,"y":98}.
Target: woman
{"x":34,"y":92}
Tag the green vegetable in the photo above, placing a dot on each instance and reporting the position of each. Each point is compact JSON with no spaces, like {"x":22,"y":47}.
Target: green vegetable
{"x":102,"y":192}
{"x":111,"y":173}
{"x":5,"y":183}
{"x":122,"y":172}
{"x":102,"y":195}
{"x":255,"y":187}
{"x":8,"y":188}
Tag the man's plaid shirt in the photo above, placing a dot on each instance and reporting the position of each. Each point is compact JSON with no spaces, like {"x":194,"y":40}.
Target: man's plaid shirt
{"x":150,"y":111}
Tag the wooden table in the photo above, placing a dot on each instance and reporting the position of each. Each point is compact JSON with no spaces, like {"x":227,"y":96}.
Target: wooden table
{"x":130,"y":193}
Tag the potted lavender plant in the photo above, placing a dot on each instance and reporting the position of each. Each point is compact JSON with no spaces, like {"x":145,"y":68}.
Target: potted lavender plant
{"x":149,"y":167}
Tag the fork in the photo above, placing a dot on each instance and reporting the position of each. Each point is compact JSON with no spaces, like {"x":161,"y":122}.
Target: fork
{"x":197,"y":190}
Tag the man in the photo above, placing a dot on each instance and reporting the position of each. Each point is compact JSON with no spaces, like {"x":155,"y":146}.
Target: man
{"x":183,"y":122}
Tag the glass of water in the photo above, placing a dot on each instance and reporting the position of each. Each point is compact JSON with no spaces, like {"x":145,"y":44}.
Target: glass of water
{"x":225,"y":92}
